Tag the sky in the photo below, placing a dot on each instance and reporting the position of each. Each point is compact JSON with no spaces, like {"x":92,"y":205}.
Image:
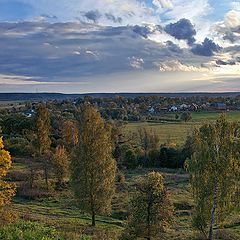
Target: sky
{"x":83,"y":46}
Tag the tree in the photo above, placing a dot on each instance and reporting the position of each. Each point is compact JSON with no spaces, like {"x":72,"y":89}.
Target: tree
{"x":92,"y":166}
{"x":149,"y":141}
{"x":186,"y":116}
{"x":214,"y":173}
{"x":7,"y":190}
{"x":151,"y":210}
{"x":61,"y":164}
{"x":130,"y":159}
{"x":70,"y":134}
{"x":43,"y":141}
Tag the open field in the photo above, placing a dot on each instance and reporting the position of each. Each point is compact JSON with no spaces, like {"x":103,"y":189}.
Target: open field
{"x":176,"y":132}
{"x":60,"y":210}
{"x":11,"y":104}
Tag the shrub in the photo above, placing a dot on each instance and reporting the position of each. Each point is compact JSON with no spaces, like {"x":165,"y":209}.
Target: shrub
{"x":8,"y":216}
{"x":37,"y":192}
{"x":18,"y":176}
{"x":28,"y":230}
{"x":18,"y":147}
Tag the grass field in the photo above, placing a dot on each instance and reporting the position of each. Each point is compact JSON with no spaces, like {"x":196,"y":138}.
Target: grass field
{"x":11,"y":104}
{"x":176,"y":132}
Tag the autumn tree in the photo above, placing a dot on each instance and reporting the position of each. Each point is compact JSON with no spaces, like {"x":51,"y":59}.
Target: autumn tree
{"x":186,"y":116}
{"x":7,"y":190}
{"x":70,"y":134}
{"x":61,"y":164}
{"x":43,"y":140}
{"x":151,"y":210}
{"x":92,"y":166}
{"x":214,"y":173}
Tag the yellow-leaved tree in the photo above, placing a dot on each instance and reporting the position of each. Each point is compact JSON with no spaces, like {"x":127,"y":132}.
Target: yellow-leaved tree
{"x":7,"y":190}
{"x":92,"y":166}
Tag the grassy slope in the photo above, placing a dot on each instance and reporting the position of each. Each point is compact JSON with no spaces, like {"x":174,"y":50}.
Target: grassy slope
{"x":59,"y":211}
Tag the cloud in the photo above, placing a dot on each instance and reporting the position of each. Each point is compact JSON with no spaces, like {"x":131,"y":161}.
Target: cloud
{"x":195,"y":10}
{"x":114,"y":19}
{"x":163,"y":4}
{"x":182,"y":30}
{"x":136,"y":63}
{"x":177,"y":66}
{"x":229,"y":29}
{"x":222,"y":62}
{"x":232,"y":19}
{"x":206,"y":48}
{"x":143,"y":31}
{"x":91,"y":53}
{"x":93,"y":15}
{"x":131,"y":12}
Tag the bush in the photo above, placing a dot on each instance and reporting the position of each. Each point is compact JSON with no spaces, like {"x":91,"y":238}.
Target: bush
{"x":8,"y":216}
{"x":18,"y":147}
{"x":18,"y":176}
{"x":37,"y":192}
{"x":28,"y":230}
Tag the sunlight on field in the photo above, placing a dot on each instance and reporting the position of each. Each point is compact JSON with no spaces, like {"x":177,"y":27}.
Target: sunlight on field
{"x":176,"y":132}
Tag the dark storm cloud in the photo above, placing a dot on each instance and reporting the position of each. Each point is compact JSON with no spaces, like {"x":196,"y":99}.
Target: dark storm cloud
{"x":93,"y":15}
{"x":112,"y":18}
{"x":182,"y":30}
{"x":207,"y":48}
{"x":232,"y":34}
{"x":144,"y":31}
{"x":221,"y":62}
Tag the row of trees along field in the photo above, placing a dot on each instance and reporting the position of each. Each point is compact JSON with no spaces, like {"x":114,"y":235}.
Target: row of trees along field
{"x":86,"y":154}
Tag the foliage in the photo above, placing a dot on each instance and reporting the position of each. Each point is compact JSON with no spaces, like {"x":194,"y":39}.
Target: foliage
{"x":149,"y":141}
{"x":186,"y":116}
{"x":130,"y":159}
{"x":42,"y":129}
{"x":43,"y":141}
{"x":93,"y":169}
{"x":214,"y":173}
{"x":151,"y":210}
{"x":7,"y":190}
{"x":61,"y":164}
{"x":28,"y":230}
{"x":16,"y":124}
{"x":18,"y":146}
{"x":70,"y":134}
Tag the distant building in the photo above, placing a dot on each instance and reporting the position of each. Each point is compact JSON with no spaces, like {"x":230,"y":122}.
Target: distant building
{"x":151,"y":110}
{"x":173,"y":109}
{"x":183,"y":107}
{"x":29,"y":113}
{"x":219,"y":106}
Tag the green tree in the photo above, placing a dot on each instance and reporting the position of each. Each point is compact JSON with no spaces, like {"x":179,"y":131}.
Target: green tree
{"x":214,"y":173}
{"x":151,"y":210}
{"x":149,"y":140}
{"x":7,"y":190}
{"x":92,"y":165}
{"x":43,"y":141}
{"x":130,"y":160}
